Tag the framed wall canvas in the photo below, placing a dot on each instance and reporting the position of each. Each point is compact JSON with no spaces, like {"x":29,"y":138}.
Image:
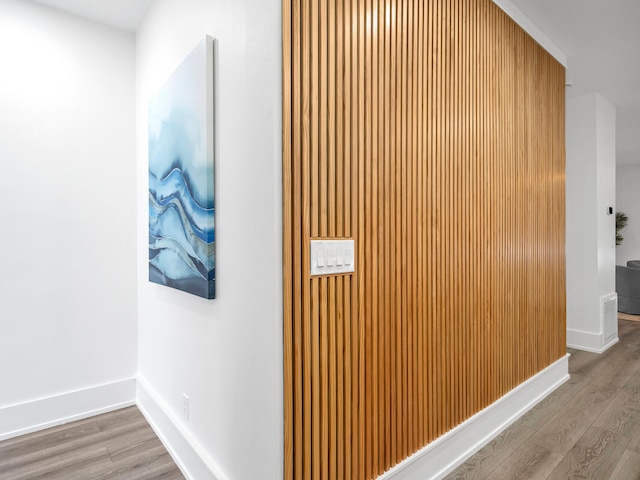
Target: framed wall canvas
{"x":181,"y":177}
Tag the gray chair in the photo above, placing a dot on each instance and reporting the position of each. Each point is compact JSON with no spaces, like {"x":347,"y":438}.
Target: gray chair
{"x":634,"y":264}
{"x":628,"y":287}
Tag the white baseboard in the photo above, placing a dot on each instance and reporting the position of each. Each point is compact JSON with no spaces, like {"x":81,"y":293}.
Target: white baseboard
{"x":589,"y":342}
{"x":446,"y":453}
{"x":31,"y":416}
{"x":185,"y":450}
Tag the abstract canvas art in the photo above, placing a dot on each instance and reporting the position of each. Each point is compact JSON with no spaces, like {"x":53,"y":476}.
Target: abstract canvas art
{"x":181,"y":177}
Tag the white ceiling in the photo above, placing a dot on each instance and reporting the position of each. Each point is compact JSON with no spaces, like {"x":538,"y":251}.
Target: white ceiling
{"x":601,"y":39}
{"x":122,"y":14}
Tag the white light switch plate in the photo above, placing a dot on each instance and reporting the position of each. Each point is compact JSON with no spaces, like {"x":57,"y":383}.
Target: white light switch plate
{"x":330,"y":257}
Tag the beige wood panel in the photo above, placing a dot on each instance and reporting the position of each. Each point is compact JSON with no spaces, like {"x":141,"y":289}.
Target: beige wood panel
{"x":432,"y":133}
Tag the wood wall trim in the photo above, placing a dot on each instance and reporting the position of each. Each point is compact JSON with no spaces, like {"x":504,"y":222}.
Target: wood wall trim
{"x":431,"y":132}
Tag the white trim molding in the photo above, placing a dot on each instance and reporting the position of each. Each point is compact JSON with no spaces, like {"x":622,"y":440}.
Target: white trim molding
{"x":34,"y":415}
{"x":446,"y":453}
{"x":588,"y":341}
{"x":186,"y":451}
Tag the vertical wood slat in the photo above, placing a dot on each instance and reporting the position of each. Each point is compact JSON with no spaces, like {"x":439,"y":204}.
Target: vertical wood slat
{"x":394,"y":269}
{"x":337,"y":17}
{"x":292,"y":427}
{"x":389,"y":391}
{"x":379,"y":36}
{"x":417,"y":129}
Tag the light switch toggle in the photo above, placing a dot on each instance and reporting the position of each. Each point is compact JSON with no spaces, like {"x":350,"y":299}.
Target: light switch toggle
{"x":330,"y":257}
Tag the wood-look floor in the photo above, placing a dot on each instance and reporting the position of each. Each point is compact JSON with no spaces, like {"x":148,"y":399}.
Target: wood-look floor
{"x":587,"y":429}
{"x":116,"y":445}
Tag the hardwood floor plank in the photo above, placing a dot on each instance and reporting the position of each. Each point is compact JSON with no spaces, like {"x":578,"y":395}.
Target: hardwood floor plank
{"x":116,"y":445}
{"x":634,"y":431}
{"x":561,"y":432}
{"x":59,"y":441}
{"x":590,"y":426}
{"x":120,"y":418}
{"x":527,"y":462}
{"x":154,"y":457}
{"x":550,"y":405}
{"x":132,"y":443}
{"x":623,"y":413}
{"x":628,"y":468}
{"x":595,"y":456}
{"x":627,"y":372}
{"x":169,"y":471}
{"x":628,"y":329}
{"x":615,"y":367}
{"x":634,"y":380}
{"x":62,"y":467}
{"x":487,"y":459}
{"x":580,"y":360}
{"x":38,"y":448}
{"x":49,"y":438}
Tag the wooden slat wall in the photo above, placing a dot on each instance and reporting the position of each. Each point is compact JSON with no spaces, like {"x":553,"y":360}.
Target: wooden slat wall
{"x":432,"y":133}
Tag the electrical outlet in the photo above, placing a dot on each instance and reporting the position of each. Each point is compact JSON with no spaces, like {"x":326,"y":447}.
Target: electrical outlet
{"x":185,"y":406}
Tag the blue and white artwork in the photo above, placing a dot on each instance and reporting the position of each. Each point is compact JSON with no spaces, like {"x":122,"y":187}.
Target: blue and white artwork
{"x":181,"y":200}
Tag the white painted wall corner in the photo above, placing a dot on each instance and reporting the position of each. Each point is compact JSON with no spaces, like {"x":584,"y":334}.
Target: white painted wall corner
{"x":186,"y":451}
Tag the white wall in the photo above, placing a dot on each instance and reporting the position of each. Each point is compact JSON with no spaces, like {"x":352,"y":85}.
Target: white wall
{"x":628,"y":201}
{"x":67,"y":150}
{"x":581,"y":220}
{"x":590,"y":177}
{"x":606,"y":187}
{"x":225,"y":354}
